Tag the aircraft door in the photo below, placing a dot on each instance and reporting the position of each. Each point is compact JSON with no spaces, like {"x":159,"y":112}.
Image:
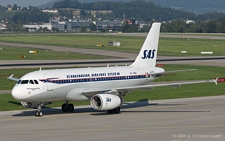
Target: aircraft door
{"x":146,"y":77}
{"x":48,"y":82}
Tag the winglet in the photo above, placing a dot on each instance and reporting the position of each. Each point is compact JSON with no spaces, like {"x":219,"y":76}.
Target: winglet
{"x":216,"y":80}
{"x":12,"y":78}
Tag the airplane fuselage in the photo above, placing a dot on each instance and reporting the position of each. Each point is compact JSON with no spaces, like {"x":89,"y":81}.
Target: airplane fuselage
{"x":66,"y":84}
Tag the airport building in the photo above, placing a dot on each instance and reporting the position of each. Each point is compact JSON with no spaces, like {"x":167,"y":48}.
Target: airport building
{"x":108,"y":25}
{"x":35,"y":27}
{"x":76,"y":25}
{"x":71,"y":25}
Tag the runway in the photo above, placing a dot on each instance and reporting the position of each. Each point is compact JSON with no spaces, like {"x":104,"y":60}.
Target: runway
{"x":207,"y":60}
{"x":190,"y":119}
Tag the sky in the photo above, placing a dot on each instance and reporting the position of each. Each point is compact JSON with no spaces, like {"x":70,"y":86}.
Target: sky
{"x":24,"y":3}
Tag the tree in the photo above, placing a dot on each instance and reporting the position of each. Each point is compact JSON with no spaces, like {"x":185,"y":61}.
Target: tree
{"x":54,"y":29}
{"x":45,"y":29}
{"x":212,"y":26}
{"x":2,"y":8}
{"x":145,"y":28}
{"x":15,"y":7}
{"x":83,"y":29}
{"x":92,"y":27}
{"x":83,"y":13}
{"x":129,"y":28}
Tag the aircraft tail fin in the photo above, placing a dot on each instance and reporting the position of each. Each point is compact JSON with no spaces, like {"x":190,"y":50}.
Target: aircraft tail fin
{"x":148,"y":53}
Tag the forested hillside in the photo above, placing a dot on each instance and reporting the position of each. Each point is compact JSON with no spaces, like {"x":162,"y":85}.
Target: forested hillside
{"x":140,"y":10}
{"x":196,"y":6}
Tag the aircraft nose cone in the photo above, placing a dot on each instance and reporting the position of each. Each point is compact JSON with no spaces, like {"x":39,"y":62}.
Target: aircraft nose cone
{"x":16,"y":94}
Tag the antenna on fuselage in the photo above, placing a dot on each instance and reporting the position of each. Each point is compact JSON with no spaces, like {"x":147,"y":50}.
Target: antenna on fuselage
{"x":40,"y":69}
{"x":107,"y":65}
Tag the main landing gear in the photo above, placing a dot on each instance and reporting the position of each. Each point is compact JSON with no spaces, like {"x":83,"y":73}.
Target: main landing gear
{"x":67,"y":107}
{"x":39,"y":112}
{"x":114,"y":111}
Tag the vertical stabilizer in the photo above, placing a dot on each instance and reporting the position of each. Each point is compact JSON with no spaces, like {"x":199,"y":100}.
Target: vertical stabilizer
{"x":148,"y":53}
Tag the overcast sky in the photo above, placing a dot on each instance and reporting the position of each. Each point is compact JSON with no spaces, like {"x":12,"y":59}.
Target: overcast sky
{"x":24,"y":3}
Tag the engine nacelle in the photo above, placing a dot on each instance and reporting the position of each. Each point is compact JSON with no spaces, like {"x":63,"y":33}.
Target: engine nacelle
{"x":33,"y":104}
{"x":105,"y":101}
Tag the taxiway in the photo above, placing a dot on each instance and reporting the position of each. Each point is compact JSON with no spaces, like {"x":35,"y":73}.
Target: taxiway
{"x":190,"y":119}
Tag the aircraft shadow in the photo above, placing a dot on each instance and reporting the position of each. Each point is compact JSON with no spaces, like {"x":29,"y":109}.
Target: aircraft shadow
{"x":140,"y":103}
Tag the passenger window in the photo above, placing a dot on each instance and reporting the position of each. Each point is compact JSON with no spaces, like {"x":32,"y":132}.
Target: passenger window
{"x":35,"y":81}
{"x":24,"y":82}
{"x":31,"y":82}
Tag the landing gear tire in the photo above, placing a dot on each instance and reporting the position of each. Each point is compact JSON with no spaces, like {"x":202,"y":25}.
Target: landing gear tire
{"x":117,"y":110}
{"x":64,"y":109}
{"x":68,"y":108}
{"x":110,"y":111}
{"x":114,"y":111}
{"x":39,"y":114}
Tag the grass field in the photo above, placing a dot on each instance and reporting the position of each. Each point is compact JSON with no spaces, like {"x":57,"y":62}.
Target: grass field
{"x":167,"y":46}
{"x":192,"y":90}
{"x":14,"y":53}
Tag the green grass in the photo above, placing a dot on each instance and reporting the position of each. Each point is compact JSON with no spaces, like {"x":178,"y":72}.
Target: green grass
{"x":167,"y":46}
{"x":78,"y":41}
{"x":173,"y":47}
{"x":14,"y":53}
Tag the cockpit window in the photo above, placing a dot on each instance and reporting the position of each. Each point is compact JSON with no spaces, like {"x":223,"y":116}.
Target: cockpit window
{"x":24,"y":82}
{"x":36,"y":82}
{"x":27,"y":82}
{"x":31,"y":82}
{"x":19,"y":82}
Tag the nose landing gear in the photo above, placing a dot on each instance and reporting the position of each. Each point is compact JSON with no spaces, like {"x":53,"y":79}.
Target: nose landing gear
{"x":39,"y":112}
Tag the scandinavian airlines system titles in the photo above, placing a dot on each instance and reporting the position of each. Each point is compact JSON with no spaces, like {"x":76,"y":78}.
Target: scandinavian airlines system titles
{"x":93,"y":75}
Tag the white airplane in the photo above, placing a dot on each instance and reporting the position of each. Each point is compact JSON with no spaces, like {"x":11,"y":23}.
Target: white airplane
{"x":103,"y":86}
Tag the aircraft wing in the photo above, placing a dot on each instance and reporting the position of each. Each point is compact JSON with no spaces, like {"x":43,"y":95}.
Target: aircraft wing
{"x":174,"y":71}
{"x":90,"y":92}
{"x":12,"y":78}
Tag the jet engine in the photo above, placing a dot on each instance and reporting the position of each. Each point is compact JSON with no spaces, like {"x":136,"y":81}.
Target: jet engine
{"x":33,"y":105}
{"x":105,"y":101}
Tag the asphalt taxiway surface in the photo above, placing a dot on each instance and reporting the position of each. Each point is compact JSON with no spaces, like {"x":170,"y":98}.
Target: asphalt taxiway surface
{"x":190,"y":119}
